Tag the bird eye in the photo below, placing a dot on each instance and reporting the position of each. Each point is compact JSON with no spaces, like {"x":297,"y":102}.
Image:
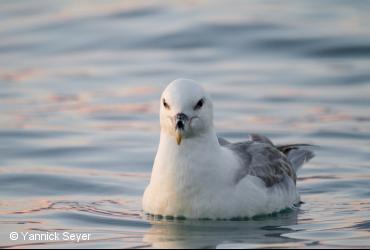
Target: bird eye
{"x":199,"y":104}
{"x":165,"y":104}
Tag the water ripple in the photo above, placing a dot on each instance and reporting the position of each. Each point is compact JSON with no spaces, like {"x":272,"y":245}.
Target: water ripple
{"x":80,"y":84}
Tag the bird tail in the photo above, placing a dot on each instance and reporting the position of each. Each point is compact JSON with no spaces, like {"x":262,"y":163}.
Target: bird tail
{"x":297,"y":154}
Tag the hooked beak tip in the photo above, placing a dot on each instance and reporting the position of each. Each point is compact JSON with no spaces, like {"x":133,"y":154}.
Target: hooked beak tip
{"x":178,"y":138}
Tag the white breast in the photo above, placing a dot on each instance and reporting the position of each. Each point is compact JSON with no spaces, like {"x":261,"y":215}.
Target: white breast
{"x":197,"y":181}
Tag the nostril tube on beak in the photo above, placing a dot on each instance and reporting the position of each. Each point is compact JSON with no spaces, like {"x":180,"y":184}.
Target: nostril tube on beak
{"x":181,"y":118}
{"x":180,"y":125}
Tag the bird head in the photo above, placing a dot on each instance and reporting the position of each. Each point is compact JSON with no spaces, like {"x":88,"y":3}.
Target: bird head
{"x":186,"y":110}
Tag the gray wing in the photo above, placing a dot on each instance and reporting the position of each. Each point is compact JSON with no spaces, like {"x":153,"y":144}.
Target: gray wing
{"x":260,"y":158}
{"x":222,"y":141}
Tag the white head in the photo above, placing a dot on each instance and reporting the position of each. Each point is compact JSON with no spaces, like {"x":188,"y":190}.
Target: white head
{"x":186,"y":110}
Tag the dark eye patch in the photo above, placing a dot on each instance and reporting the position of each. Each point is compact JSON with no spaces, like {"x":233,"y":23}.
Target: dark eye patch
{"x":199,"y":104}
{"x":165,"y":104}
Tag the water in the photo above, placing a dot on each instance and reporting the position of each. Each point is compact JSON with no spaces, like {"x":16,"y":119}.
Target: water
{"x":80,"y":85}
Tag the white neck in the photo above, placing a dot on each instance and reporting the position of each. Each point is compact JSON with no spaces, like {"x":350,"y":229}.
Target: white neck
{"x":182,"y":161}
{"x":189,"y":146}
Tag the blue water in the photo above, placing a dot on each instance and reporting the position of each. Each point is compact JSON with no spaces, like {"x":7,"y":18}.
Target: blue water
{"x":80,"y":83}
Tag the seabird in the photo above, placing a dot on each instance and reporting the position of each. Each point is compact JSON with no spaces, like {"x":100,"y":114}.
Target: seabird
{"x":198,"y":175}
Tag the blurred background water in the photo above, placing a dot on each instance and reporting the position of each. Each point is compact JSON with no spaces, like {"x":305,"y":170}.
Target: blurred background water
{"x":80,"y":83}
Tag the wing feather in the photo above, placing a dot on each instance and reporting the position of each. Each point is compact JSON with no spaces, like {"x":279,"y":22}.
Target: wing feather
{"x":262,"y":159}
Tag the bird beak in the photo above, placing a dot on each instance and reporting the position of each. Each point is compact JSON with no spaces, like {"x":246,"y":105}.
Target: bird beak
{"x":178,"y":137}
{"x":180,"y":119}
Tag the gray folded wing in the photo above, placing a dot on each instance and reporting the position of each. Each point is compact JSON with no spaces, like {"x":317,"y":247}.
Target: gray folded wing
{"x":222,"y":141}
{"x":260,"y":158}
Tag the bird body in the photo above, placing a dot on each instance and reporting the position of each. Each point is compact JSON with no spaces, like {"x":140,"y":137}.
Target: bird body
{"x":202,"y":176}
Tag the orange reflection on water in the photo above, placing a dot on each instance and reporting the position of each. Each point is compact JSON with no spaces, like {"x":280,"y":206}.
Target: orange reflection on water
{"x":21,"y":75}
{"x":22,"y":206}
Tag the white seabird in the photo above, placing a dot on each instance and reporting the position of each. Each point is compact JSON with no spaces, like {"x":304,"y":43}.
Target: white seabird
{"x":197,"y":175}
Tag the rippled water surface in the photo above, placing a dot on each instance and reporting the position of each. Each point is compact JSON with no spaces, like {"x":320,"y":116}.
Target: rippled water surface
{"x":79,"y":88}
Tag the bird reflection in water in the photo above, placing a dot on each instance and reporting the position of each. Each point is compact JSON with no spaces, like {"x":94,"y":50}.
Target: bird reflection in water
{"x":172,"y":233}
